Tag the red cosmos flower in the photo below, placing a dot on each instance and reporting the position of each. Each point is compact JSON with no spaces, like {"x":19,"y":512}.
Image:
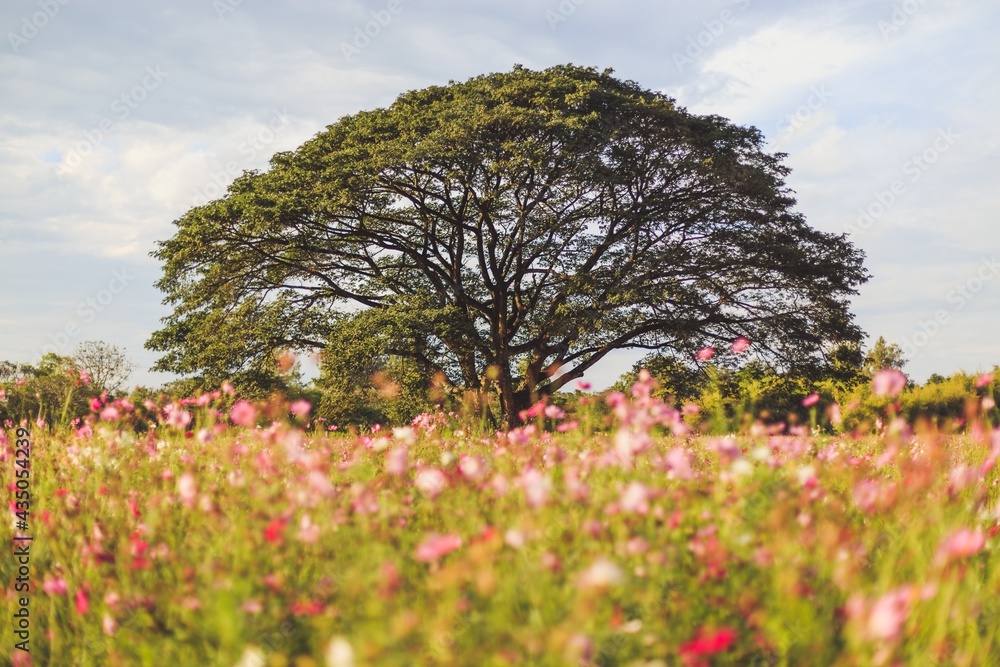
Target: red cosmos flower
{"x":704,"y":644}
{"x":307,"y":608}
{"x":275,"y":531}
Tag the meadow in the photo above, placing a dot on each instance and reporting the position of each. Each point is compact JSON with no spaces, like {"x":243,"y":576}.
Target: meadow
{"x":239,"y":534}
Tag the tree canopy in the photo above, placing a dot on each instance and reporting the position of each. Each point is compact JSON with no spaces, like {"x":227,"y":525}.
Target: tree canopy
{"x":515,"y":228}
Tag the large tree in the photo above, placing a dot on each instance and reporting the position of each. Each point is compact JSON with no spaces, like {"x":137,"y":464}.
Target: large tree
{"x":526,"y":222}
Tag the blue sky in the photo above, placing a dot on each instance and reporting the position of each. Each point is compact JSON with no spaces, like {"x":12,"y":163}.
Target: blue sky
{"x":117,"y":117}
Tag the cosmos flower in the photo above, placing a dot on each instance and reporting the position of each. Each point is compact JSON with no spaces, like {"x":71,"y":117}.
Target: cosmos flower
{"x":435,"y":546}
{"x":243,"y":413}
{"x":888,"y":382}
{"x":740,"y":345}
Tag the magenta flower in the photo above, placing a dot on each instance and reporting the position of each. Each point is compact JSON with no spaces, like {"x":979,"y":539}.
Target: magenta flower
{"x":705,"y":353}
{"x":435,"y":546}
{"x":810,"y":400}
{"x":888,"y":382}
{"x":983,"y":380}
{"x":81,"y":601}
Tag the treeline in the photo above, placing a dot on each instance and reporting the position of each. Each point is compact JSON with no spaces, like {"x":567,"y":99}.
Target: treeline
{"x":838,"y":398}
{"x":720,"y":393}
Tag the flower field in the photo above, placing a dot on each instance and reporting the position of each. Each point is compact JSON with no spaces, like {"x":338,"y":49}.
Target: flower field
{"x":235,"y":534}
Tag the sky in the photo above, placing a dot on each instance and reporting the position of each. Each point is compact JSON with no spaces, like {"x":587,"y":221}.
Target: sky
{"x":116,"y":117}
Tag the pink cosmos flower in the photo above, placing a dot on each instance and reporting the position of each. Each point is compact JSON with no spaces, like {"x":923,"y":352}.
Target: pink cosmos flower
{"x":554,"y":412}
{"x":582,"y":385}
{"x":178,"y":418}
{"x":705,"y":353}
{"x":810,"y":400}
{"x":680,"y":463}
{"x":227,"y":388}
{"x":243,"y":413}
{"x":536,"y":486}
{"x":431,"y":481}
{"x":635,"y":498}
{"x":435,"y":546}
{"x":472,"y":467}
{"x":888,"y":382}
{"x":55,"y":586}
{"x":962,"y":543}
{"x":983,"y":380}
{"x":187,"y":489}
{"x":888,"y":614}
{"x":109,"y":625}
{"x":300,"y":408}
{"x":308,"y":531}
{"x":740,"y":345}
{"x":252,"y":606}
{"x":395,"y":461}
{"x":109,"y":414}
{"x":566,"y":427}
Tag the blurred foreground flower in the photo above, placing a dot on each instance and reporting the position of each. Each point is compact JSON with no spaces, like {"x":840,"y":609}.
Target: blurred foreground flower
{"x":602,"y":574}
{"x":704,"y":644}
{"x":339,"y":653}
{"x":888,"y":382}
{"x":435,"y":546}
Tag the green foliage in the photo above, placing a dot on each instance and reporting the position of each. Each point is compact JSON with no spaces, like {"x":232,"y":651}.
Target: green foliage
{"x":542,"y":218}
{"x":54,"y":391}
{"x":883,"y":355}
